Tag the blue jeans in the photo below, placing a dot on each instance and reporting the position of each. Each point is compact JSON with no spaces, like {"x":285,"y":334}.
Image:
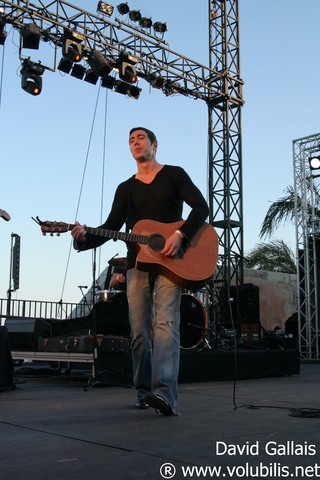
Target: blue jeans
{"x":154,"y":315}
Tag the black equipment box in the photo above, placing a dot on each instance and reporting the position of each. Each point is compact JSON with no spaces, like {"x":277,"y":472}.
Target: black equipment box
{"x":85,"y":344}
{"x":24,"y":332}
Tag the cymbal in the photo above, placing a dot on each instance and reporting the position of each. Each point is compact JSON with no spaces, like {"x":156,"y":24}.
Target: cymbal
{"x":118,"y":262}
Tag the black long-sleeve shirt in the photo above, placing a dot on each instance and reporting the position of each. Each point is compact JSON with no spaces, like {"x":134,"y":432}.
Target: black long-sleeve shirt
{"x":161,"y":200}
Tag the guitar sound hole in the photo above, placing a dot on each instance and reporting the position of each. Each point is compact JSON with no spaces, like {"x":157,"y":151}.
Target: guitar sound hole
{"x":156,"y":242}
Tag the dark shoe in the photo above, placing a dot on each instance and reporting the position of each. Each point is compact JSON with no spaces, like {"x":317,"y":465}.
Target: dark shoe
{"x":140,"y":404}
{"x":160,"y":404}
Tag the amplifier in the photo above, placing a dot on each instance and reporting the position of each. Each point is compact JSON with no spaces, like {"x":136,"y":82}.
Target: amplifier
{"x":250,"y":332}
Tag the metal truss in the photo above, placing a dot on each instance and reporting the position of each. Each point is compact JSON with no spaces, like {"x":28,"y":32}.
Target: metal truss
{"x":307,"y":208}
{"x":225,"y":155}
{"x":219,"y":85}
{"x":182,"y":75}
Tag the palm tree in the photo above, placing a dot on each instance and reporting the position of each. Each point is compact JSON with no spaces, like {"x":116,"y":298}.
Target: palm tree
{"x":283,"y":209}
{"x":279,"y":211}
{"x":274,"y":256}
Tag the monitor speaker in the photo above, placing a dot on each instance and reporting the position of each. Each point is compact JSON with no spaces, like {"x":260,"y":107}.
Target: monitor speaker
{"x":24,"y":333}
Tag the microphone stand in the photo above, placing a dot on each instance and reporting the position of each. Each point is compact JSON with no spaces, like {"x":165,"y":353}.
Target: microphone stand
{"x":94,"y":380}
{"x":84,"y":298}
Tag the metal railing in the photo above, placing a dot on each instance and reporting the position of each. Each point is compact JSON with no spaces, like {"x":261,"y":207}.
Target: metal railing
{"x":42,"y":309}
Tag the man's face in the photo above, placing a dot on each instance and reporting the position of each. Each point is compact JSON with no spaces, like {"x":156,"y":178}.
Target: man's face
{"x":141,"y":148}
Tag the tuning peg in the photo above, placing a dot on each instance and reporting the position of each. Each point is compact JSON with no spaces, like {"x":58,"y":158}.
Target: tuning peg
{"x":51,"y":234}
{"x":44,"y":234}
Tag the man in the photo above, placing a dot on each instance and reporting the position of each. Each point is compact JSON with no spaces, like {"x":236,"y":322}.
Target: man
{"x":156,"y":192}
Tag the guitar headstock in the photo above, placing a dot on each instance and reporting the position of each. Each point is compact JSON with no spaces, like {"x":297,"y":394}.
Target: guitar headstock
{"x":5,"y":215}
{"x":52,"y":227}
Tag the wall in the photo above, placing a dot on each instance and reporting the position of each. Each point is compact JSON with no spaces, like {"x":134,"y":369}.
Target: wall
{"x":277,"y":294}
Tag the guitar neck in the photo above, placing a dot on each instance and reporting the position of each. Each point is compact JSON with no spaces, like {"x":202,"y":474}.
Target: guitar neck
{"x":115,"y":235}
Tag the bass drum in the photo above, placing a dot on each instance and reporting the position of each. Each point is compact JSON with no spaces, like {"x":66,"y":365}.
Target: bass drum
{"x":193,"y":323}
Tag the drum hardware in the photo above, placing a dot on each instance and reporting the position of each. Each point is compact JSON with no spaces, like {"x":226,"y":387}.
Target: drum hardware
{"x":106,"y":295}
{"x":217,"y":337}
{"x":119,"y":263}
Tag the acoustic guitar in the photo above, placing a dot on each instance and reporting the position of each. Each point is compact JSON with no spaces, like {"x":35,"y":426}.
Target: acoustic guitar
{"x":191,"y":268}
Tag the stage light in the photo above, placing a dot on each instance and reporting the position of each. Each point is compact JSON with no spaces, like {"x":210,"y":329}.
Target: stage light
{"x":127,"y":71}
{"x":134,"y":91}
{"x":157,"y":82}
{"x":91,"y":77}
{"x":314,"y":162}
{"x":72,"y":48}
{"x":31,"y":81}
{"x":99,"y":63}
{"x":121,"y":87}
{"x":160,"y":27}
{"x":123,"y":8}
{"x":3,"y":33}
{"x":78,"y":71}
{"x":145,"y":22}
{"x":108,"y":82}
{"x":30,"y":35}
{"x":105,"y":8}
{"x":135,"y":15}
{"x":126,"y":89}
{"x":65,"y":65}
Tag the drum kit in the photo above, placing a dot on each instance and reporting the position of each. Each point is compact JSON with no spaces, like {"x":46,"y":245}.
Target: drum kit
{"x":194,"y":311}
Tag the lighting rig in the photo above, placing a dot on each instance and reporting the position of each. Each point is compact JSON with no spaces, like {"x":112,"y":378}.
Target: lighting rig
{"x":91,"y":44}
{"x":77,"y":54}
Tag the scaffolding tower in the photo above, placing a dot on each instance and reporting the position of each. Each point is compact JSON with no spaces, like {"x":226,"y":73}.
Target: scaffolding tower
{"x":307,"y":220}
{"x":225,"y":149}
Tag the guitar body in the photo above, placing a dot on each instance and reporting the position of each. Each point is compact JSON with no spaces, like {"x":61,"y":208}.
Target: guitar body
{"x":193,"y":268}
{"x":190,"y":269}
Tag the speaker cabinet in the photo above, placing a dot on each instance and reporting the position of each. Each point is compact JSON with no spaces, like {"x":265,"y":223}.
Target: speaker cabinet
{"x":240,"y":305}
{"x":24,"y":332}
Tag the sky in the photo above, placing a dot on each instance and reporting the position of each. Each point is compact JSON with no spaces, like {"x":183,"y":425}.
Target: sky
{"x":64,"y":152}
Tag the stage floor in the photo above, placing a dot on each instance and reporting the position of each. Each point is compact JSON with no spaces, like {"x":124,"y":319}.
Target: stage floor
{"x":51,"y":428}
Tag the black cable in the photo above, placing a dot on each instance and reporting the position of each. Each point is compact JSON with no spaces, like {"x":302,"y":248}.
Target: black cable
{"x":81,"y":188}
{"x":302,"y":412}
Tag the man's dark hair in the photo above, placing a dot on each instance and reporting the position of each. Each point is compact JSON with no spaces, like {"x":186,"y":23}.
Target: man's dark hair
{"x":150,"y":134}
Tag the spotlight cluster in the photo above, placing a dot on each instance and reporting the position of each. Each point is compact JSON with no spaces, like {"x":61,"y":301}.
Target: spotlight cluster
{"x":145,"y":23}
{"x":81,"y":61}
{"x":102,"y":67}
